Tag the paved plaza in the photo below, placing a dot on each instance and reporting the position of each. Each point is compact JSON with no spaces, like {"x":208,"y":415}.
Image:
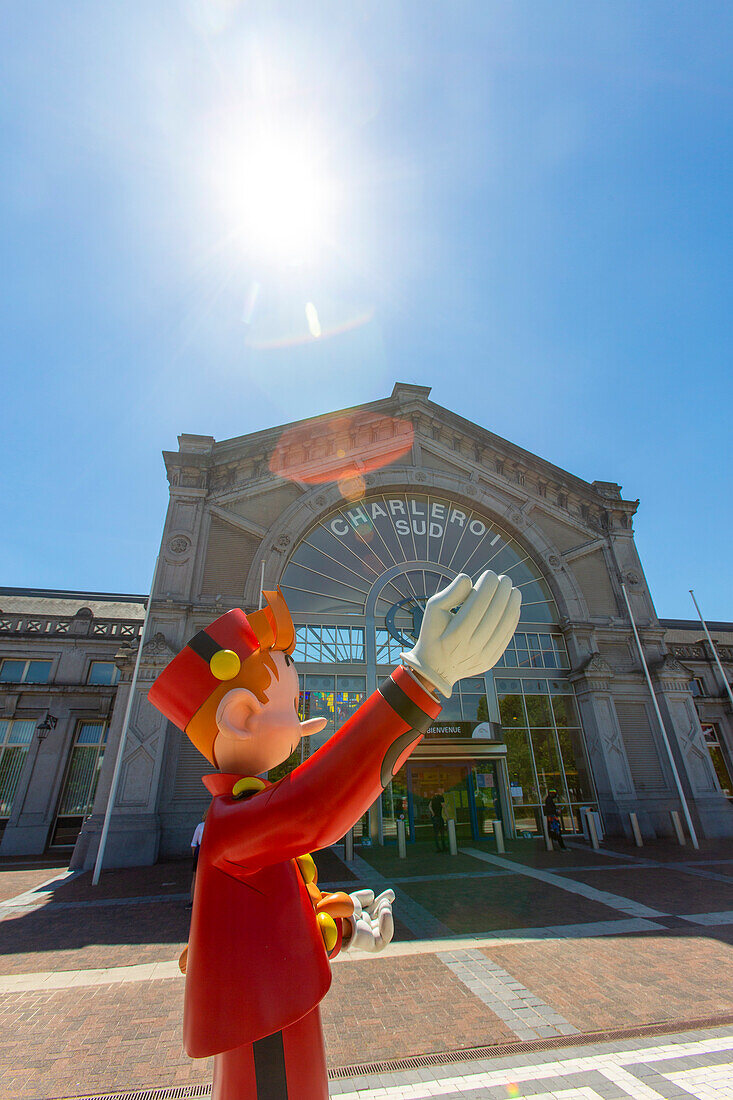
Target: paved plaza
{"x":533,"y":973}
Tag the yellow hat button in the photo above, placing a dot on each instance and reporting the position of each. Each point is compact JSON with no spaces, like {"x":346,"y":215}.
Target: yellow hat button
{"x":225,"y":664}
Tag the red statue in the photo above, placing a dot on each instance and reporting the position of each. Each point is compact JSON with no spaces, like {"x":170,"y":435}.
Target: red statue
{"x":257,"y":963}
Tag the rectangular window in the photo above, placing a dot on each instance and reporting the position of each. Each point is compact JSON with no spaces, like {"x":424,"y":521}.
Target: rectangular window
{"x":15,"y":737}
{"x":388,"y":648}
{"x":535,"y":651}
{"x":103,"y":672}
{"x":718,"y":757}
{"x":24,"y":672}
{"x":328,"y":644}
{"x":545,"y":747}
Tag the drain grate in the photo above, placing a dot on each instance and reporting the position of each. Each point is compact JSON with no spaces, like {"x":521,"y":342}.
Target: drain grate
{"x":474,"y":1054}
{"x":443,"y":1058}
{"x":174,"y":1092}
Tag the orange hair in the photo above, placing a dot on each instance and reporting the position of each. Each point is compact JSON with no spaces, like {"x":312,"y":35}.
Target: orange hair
{"x":275,"y":631}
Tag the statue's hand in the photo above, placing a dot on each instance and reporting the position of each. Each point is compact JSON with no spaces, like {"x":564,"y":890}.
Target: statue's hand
{"x":372,"y":924}
{"x":470,"y":640}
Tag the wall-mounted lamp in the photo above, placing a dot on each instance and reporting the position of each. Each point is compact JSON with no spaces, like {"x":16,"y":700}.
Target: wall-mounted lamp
{"x":44,"y":728}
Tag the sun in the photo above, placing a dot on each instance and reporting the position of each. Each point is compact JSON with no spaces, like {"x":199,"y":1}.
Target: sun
{"x":275,"y":193}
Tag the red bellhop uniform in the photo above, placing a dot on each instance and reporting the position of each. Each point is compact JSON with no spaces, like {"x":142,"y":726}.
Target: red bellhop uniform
{"x":257,"y":967}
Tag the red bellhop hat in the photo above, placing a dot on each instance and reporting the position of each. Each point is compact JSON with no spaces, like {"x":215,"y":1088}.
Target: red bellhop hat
{"x":213,"y":655}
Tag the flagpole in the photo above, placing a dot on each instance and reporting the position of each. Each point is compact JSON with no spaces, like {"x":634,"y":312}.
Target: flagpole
{"x":712,"y":646}
{"x":683,"y":800}
{"x":262,"y":581}
{"x":123,"y":738}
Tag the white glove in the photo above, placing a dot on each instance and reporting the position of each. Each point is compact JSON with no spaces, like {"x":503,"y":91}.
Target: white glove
{"x":372,"y":925}
{"x":471,"y":640}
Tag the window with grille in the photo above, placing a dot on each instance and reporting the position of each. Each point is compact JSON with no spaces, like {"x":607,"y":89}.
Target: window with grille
{"x":85,"y":763}
{"x":641,"y":748}
{"x":15,"y":738}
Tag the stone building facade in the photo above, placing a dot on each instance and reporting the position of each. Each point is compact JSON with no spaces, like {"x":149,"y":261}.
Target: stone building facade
{"x":359,"y":515}
{"x":58,"y":671}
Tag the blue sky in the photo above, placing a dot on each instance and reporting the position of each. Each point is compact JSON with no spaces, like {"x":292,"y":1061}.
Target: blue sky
{"x":528,"y":207}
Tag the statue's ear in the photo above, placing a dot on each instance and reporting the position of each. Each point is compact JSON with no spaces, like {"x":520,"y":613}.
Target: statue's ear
{"x":235,"y":711}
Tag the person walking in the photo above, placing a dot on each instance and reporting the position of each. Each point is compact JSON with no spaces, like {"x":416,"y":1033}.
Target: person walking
{"x":438,"y":821}
{"x":195,"y":845}
{"x":554,"y":821}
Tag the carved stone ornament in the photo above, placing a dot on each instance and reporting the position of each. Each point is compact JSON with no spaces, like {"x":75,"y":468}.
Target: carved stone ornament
{"x":420,"y":476}
{"x":284,"y":541}
{"x":517,"y":519}
{"x":670,"y":666}
{"x":179,"y":544}
{"x":597,"y":666}
{"x":320,"y":501}
{"x":157,"y":651}
{"x":632,"y":577}
{"x":691,"y":652}
{"x":554,"y":562}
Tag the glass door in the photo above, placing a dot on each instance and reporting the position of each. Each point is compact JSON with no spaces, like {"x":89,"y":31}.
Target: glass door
{"x":450,"y":781}
{"x":486,"y":798}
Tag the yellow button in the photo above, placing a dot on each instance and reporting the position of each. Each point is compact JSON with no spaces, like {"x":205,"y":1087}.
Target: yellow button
{"x":328,"y":929}
{"x":247,"y":785}
{"x":225,"y":664}
{"x":307,"y":867}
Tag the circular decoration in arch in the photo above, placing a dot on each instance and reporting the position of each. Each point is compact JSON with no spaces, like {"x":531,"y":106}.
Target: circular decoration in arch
{"x":335,"y":565}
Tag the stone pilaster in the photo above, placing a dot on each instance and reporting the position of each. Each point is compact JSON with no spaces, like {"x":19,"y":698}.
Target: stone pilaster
{"x":710,"y":809}
{"x":134,"y":833}
{"x":607,"y":755}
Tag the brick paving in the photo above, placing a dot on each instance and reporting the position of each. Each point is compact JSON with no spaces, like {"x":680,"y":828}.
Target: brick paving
{"x":479,"y":905}
{"x":603,"y":983}
{"x":125,"y":1034}
{"x":664,"y":888}
{"x":77,"y":939}
{"x":16,"y":878}
{"x":404,"y":1006}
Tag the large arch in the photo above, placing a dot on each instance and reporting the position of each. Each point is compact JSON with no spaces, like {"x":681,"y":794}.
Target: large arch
{"x":317,"y":502}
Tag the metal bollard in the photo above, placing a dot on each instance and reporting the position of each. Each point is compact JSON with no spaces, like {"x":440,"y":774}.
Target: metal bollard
{"x":401,"y":845}
{"x":636,"y":830}
{"x":349,"y":846}
{"x":592,"y":831}
{"x":546,"y":832}
{"x":678,"y":827}
{"x":499,"y":836}
{"x":452,"y":843}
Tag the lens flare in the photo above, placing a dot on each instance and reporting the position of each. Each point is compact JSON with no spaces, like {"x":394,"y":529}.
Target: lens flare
{"x":352,"y":487}
{"x":311,"y":316}
{"x":342,"y":448}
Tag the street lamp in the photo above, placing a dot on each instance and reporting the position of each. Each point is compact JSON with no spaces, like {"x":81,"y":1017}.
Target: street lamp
{"x":44,"y":728}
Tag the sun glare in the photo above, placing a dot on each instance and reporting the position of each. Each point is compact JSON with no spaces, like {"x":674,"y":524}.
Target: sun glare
{"x":276,"y":194}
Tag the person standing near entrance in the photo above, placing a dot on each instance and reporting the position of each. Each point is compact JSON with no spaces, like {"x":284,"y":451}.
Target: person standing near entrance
{"x":438,"y":821}
{"x":554,"y":824}
{"x":195,"y":845}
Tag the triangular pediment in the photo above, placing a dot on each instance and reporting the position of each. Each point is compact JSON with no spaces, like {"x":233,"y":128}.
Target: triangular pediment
{"x":406,"y":429}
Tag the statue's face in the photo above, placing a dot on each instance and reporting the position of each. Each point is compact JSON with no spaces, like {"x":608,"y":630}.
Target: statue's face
{"x":253,"y":736}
